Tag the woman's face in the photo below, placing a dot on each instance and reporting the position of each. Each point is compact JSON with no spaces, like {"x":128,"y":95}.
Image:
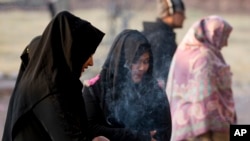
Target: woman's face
{"x":140,"y":67}
{"x":89,"y":62}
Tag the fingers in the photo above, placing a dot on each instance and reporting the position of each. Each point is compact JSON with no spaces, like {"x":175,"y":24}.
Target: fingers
{"x":152,"y":133}
{"x":100,"y":138}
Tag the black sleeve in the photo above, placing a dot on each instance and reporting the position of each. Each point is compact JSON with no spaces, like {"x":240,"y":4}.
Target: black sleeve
{"x":98,"y":126}
{"x":178,"y":5}
{"x":162,"y":116}
{"x":48,"y":113}
{"x":164,"y":120}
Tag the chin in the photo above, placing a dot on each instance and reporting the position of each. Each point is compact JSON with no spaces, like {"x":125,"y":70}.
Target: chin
{"x":137,"y":81}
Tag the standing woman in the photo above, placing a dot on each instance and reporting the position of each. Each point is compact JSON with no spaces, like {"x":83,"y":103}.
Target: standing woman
{"x":125,"y":102}
{"x":47,"y":103}
{"x":199,"y":85}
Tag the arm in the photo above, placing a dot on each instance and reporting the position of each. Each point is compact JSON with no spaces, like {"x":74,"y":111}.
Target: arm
{"x":99,"y":127}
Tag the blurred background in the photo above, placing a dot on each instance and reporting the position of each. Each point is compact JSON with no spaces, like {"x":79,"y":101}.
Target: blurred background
{"x":22,"y":20}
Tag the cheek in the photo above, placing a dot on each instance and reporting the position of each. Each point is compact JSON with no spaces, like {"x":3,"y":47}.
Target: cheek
{"x":133,"y":69}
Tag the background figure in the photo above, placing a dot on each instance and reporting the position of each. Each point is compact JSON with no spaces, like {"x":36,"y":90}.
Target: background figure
{"x":161,"y":35}
{"x":47,"y":103}
{"x":199,"y":84}
{"x":114,"y":11}
{"x":118,"y":17}
{"x":125,"y":102}
{"x":51,"y":4}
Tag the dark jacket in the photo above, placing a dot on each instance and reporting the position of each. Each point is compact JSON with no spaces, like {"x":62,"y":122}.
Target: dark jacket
{"x":46,"y":103}
{"x":120,"y":109}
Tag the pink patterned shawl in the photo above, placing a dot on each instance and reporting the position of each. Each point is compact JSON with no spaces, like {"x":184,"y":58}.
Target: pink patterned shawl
{"x":199,"y":84}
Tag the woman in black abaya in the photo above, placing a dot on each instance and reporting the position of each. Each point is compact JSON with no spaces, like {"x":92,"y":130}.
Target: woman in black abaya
{"x":46,"y":103}
{"x":125,"y":102}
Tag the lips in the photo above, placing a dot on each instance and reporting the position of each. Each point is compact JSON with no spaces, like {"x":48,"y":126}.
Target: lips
{"x":138,"y":75}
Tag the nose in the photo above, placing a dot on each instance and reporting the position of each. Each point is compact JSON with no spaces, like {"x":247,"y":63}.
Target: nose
{"x":91,"y":62}
{"x":142,"y":67}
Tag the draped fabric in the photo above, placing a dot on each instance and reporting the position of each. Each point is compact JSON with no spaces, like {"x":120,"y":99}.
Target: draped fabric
{"x":199,"y":86}
{"x":49,"y":76}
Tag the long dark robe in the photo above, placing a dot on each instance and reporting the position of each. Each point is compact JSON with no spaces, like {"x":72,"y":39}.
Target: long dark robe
{"x":120,"y":109}
{"x":162,"y":39}
{"x":46,"y":103}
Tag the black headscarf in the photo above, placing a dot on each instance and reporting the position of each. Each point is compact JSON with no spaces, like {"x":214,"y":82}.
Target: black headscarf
{"x":52,"y":63}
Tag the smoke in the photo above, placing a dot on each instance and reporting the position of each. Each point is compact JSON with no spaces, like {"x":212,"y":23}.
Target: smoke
{"x":138,"y":106}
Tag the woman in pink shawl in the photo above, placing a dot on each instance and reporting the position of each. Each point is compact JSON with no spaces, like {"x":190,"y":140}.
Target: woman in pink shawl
{"x":199,"y":84}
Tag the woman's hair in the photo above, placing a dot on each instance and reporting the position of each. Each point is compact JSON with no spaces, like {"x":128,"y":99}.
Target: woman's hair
{"x":142,"y":49}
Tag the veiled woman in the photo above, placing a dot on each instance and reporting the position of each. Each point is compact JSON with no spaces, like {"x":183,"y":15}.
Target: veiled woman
{"x":199,"y":85}
{"x":47,"y":103}
{"x":125,"y":102}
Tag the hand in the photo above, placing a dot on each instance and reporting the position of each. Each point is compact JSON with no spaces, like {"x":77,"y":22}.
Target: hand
{"x":152,"y":133}
{"x":100,"y":138}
